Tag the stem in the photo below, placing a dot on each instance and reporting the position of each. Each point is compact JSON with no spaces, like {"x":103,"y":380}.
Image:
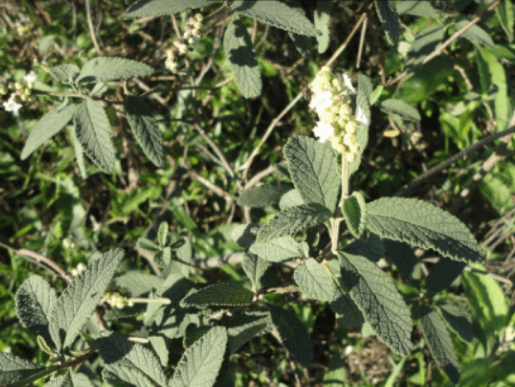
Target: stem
{"x":345,"y":177}
{"x":150,"y":300}
{"x":335,"y":231}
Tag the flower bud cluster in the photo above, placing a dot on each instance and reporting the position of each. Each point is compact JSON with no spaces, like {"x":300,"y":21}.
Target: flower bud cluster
{"x":116,"y":300}
{"x":192,"y":32}
{"x":77,"y":270}
{"x":20,"y":92}
{"x":338,"y":124}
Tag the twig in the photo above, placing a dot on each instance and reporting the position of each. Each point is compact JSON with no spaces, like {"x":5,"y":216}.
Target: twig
{"x":91,"y":29}
{"x":361,"y":42}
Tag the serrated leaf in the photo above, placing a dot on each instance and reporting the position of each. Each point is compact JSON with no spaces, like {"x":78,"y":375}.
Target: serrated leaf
{"x":121,"y":376}
{"x":164,"y":7}
{"x":458,"y":321}
{"x":147,"y":245}
{"x":426,"y":41}
{"x":279,"y":249}
{"x":143,"y":125}
{"x":104,"y":69}
{"x":242,"y":59}
{"x":46,"y":127}
{"x":315,"y":281}
{"x":416,"y":8}
{"x":138,"y":282}
{"x":401,"y":108}
{"x":65,"y":73}
{"x":118,"y":350}
{"x":193,"y":334}
{"x":423,"y":225}
{"x":402,"y":255}
{"x":246,"y":326}
{"x":362,"y":132}
{"x":276,"y":14}
{"x":346,"y":311}
{"x":293,"y":334}
{"x":264,"y":195}
{"x":388,"y":15}
{"x":220,"y":294}
{"x":93,"y":132}
{"x":35,"y":300}
{"x":160,"y":348}
{"x":245,"y":234}
{"x":475,"y":34}
{"x":440,"y":343}
{"x":355,"y":213}
{"x":322,"y":15}
{"x":78,"y":301}
{"x":291,"y":198}
{"x":371,"y":247}
{"x":304,"y":44}
{"x":79,"y":153}
{"x":365,"y":84}
{"x":200,"y":364}
{"x":443,"y":274}
{"x":313,"y":170}
{"x":293,"y":220}
{"x":14,"y":369}
{"x":378,"y":299}
{"x":505,"y":14}
{"x":70,"y":379}
{"x":255,"y":267}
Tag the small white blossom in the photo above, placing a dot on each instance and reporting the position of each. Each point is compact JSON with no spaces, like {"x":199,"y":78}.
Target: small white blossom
{"x":321,"y":100}
{"x":12,"y":106}
{"x":361,"y":117}
{"x":348,"y":83}
{"x":323,"y":131}
{"x":30,"y":78}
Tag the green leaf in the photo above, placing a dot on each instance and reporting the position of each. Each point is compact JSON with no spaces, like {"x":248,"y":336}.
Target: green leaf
{"x":141,"y":121}
{"x":440,"y":343}
{"x":416,"y":8}
{"x":138,"y":282}
{"x":35,"y":300}
{"x":322,"y":16}
{"x":65,"y":73}
{"x":426,"y":41}
{"x":379,"y":301}
{"x":14,"y":369}
{"x":457,"y":320}
{"x":402,"y":255}
{"x":313,"y":170}
{"x":476,"y":34}
{"x":355,"y":213}
{"x":371,"y":247}
{"x":276,"y":14}
{"x":200,"y":364}
{"x":245,"y":326}
{"x":93,"y":132}
{"x":242,"y":59}
{"x":362,"y":132}
{"x":401,"y":108}
{"x":104,"y":69}
{"x":264,"y":195}
{"x":346,"y":311}
{"x":46,"y":127}
{"x":147,"y":245}
{"x":255,"y":267}
{"x":293,"y":220}
{"x":443,"y":274}
{"x":335,"y":375}
{"x":220,"y":294}
{"x":293,"y":334}
{"x":70,"y":379}
{"x":388,"y":15}
{"x":78,"y":301}
{"x":505,"y":14}
{"x":244,"y":234}
{"x":291,"y":198}
{"x":162,"y":234}
{"x":315,"y":281}
{"x":423,"y":225}
{"x":280,"y":249}
{"x":121,"y":376}
{"x":116,"y":349}
{"x":145,"y":8}
{"x":160,"y":348}
{"x":79,"y":153}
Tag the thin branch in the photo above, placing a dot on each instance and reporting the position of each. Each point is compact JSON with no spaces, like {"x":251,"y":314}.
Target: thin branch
{"x":361,"y":42}
{"x":91,"y":29}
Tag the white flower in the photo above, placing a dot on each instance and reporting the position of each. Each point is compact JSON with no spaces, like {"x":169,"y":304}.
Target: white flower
{"x":348,"y":83}
{"x":321,"y":100}
{"x":12,"y":106}
{"x":29,"y":78}
{"x":361,"y":117}
{"x":323,"y":131}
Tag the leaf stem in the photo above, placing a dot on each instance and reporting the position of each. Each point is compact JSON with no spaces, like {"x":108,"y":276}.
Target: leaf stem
{"x":150,"y":300}
{"x":345,"y":177}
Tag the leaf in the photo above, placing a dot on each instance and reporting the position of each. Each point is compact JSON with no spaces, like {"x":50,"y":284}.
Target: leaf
{"x":292,"y":333}
{"x":14,"y":369}
{"x":402,"y":255}
{"x":79,"y":153}
{"x":104,"y":69}
{"x":335,"y":375}
{"x":92,"y":129}
{"x":145,"y":8}
{"x":240,"y":53}
{"x":293,"y":220}
{"x":355,"y":213}
{"x":401,"y":108}
{"x":120,"y":376}
{"x":416,"y":8}
{"x":220,"y":294}
{"x":246,"y":326}
{"x":244,"y":234}
{"x":138,"y":282}
{"x":346,"y":311}
{"x":291,"y":198}
{"x":504,"y":13}
{"x":313,"y":170}
{"x":255,"y":267}
{"x":387,"y":13}
{"x":378,"y":299}
{"x":264,"y":195}
{"x":162,"y":234}
{"x":280,"y":249}
{"x":46,"y":127}
{"x":315,"y":281}
{"x":371,"y":247}
{"x":458,"y":322}
{"x":440,"y":343}
{"x":443,"y":274}
{"x":160,"y":348}
{"x":147,"y":245}
{"x":70,"y":379}
{"x":362,"y":132}
{"x":424,"y":225}
{"x":322,"y":16}
{"x":35,"y":300}
{"x":78,"y":301}
{"x":276,"y":14}
{"x":65,"y":73}
{"x":426,"y":41}
{"x":118,"y":350}
{"x":143,"y":125}
{"x":475,"y":34}
{"x":200,"y":364}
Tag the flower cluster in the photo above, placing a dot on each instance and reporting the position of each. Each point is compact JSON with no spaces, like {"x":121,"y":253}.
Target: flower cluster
{"x":20,"y":92}
{"x":116,"y":300}
{"x":192,"y":32}
{"x":76,"y":270}
{"x":338,"y":124}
